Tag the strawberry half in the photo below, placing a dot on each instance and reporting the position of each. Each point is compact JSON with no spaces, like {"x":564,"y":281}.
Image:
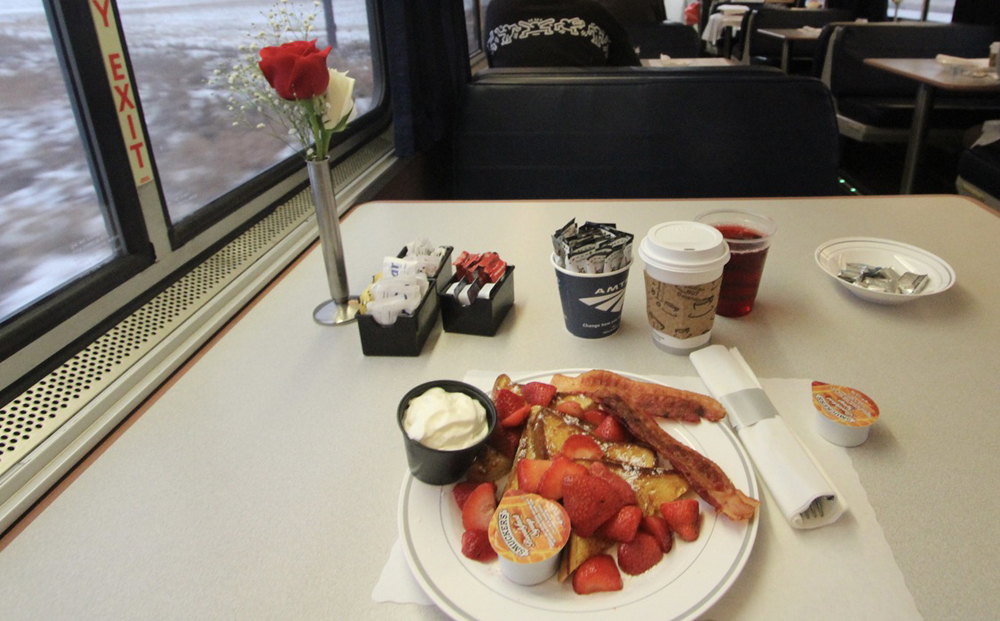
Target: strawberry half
{"x":612,"y":430}
{"x":594,"y":416}
{"x":597,"y":574}
{"x":517,"y":417}
{"x":479,"y":507}
{"x":551,"y":484}
{"x":476,"y":545}
{"x":570,"y":408}
{"x":639,"y":555}
{"x":621,"y":486}
{"x":589,"y":501}
{"x":507,"y":403}
{"x":684,"y":517}
{"x":538,"y":393}
{"x":505,"y":440}
{"x":623,"y":526}
{"x":582,"y":447}
{"x":462,"y":490}
{"x":660,"y":530}
{"x":530,"y":472}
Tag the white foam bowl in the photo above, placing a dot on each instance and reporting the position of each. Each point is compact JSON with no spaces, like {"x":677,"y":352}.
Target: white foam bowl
{"x":834,"y":255}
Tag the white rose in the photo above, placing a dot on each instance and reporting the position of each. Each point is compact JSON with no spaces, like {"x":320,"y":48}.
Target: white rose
{"x":339,"y":99}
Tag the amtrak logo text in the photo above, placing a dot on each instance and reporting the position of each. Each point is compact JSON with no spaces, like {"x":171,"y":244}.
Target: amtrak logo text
{"x":608,"y":300}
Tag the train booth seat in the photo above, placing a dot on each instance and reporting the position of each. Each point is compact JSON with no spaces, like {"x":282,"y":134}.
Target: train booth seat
{"x":979,"y":172}
{"x":644,"y":133}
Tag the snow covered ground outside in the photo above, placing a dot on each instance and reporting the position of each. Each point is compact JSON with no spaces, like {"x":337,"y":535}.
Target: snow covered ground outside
{"x":53,"y":228}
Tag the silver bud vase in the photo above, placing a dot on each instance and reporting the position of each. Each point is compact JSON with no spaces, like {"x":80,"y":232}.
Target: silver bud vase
{"x":341,"y":308}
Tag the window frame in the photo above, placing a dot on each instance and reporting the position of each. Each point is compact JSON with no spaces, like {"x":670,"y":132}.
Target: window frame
{"x":93,"y":106}
{"x":41,"y":337}
{"x":374,"y":121}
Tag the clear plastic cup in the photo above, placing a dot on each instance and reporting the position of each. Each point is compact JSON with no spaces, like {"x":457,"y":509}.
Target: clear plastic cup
{"x":749,"y":237}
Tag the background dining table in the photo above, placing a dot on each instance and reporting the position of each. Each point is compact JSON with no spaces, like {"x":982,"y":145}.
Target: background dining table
{"x":788,"y":37}
{"x":932,"y":76}
{"x":263,"y":480}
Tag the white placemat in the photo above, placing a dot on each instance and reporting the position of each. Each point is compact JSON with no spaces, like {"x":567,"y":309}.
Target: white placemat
{"x":843,"y":570}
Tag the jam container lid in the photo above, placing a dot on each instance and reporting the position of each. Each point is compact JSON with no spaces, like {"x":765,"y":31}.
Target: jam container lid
{"x":844,"y":415}
{"x":528,"y":532}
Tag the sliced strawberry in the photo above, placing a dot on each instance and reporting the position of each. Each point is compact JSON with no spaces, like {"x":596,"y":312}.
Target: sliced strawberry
{"x":538,"y":393}
{"x":507,"y":402}
{"x":517,"y":417}
{"x":623,"y":526}
{"x":639,"y":555}
{"x":505,"y":440}
{"x":684,"y":517}
{"x":621,"y":486}
{"x":476,"y":545}
{"x":596,"y":574}
{"x":660,"y":530}
{"x":462,"y":490}
{"x":479,"y":507}
{"x":594,"y":416}
{"x":551,"y":484}
{"x":612,"y":430}
{"x":529,"y":473}
{"x":570,"y":407}
{"x":589,"y":501}
{"x":581,"y":447}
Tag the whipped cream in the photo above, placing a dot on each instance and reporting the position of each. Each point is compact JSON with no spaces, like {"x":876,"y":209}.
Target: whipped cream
{"x":446,"y":421}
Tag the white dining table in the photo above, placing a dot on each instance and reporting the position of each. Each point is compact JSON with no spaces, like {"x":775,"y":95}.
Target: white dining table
{"x":263,"y":480}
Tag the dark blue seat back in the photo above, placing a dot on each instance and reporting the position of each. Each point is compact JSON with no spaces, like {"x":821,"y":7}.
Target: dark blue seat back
{"x":651,"y":134}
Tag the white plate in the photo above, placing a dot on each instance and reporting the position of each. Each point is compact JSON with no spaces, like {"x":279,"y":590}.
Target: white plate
{"x":834,"y":255}
{"x":688,"y":580}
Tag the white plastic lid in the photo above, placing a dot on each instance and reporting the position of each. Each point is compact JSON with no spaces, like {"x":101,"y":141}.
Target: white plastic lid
{"x":684,"y":247}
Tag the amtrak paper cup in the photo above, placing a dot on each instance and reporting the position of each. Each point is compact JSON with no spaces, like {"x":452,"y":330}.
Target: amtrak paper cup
{"x":592,"y":303}
{"x":683,"y":276}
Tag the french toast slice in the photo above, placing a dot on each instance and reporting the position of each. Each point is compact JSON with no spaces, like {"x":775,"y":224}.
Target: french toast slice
{"x":560,"y":427}
{"x":488,"y":466}
{"x":652,"y":486}
{"x":530,"y":446}
{"x":578,"y":550}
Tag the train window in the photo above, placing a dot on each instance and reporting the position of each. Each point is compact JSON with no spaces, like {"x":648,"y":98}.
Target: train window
{"x":472,"y":25}
{"x":55,"y":226}
{"x":937,"y":10}
{"x":200,"y":155}
{"x":120,"y":161}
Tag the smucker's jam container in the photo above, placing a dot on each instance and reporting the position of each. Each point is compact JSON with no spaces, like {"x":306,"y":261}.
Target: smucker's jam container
{"x":528,"y":532}
{"x":844,"y":416}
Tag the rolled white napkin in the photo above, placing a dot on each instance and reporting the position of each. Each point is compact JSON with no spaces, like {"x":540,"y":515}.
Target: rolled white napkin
{"x":790,"y":473}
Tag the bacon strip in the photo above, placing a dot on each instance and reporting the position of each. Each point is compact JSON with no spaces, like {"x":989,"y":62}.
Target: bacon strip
{"x":704,"y":475}
{"x":652,"y":399}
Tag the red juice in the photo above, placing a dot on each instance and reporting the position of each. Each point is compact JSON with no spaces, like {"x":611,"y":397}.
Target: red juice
{"x":741,"y":276}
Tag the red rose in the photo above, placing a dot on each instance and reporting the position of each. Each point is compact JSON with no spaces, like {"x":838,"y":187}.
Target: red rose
{"x":296,"y":70}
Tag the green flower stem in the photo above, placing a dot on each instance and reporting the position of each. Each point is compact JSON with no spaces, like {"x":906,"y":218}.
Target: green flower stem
{"x":321,"y":135}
